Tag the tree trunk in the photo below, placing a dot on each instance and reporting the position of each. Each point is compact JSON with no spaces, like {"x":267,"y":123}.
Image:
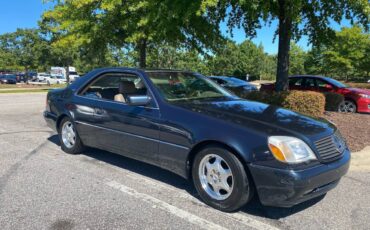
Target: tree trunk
{"x":142,"y":53}
{"x":67,"y":74}
{"x":285,"y":34}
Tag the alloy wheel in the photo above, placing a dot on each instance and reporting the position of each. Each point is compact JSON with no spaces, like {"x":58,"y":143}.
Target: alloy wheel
{"x":216,"y":177}
{"x":68,"y":134}
{"x":347,"y":107}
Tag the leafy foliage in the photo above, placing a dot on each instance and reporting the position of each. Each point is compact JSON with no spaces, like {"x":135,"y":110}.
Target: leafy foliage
{"x":25,"y":48}
{"x":242,"y":59}
{"x":98,"y":25}
{"x":346,"y":56}
{"x":296,"y":18}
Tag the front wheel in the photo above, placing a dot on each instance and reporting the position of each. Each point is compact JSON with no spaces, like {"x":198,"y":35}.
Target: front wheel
{"x":220,"y":179}
{"x":68,"y":136}
{"x":347,"y":106}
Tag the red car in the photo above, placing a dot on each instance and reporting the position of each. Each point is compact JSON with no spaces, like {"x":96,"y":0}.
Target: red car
{"x":356,"y":100}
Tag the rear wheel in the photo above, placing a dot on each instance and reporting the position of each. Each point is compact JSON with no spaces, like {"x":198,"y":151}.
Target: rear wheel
{"x":68,"y":136}
{"x":347,"y":106}
{"x":221,"y":179}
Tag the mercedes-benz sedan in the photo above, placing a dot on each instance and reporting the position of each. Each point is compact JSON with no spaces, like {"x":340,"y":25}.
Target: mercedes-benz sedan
{"x":230,"y":148}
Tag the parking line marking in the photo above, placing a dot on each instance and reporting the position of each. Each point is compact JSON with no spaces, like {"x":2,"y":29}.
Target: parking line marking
{"x":248,"y":221}
{"x":196,"y":220}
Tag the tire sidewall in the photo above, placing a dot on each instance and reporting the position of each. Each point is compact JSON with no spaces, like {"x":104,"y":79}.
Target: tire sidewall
{"x":241,"y":193}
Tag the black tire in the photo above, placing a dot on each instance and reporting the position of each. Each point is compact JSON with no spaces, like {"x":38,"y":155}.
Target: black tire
{"x":242,"y":191}
{"x":78,"y":146}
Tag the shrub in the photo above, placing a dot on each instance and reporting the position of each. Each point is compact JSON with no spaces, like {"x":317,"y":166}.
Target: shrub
{"x":306,"y":102}
{"x":332,"y":101}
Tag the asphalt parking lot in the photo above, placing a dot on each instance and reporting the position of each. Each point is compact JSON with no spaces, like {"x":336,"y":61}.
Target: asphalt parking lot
{"x":43,"y":188}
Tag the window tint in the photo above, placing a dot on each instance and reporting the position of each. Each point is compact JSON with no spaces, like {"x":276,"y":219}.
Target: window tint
{"x":321,"y":83}
{"x":295,"y":81}
{"x":310,"y":82}
{"x":109,"y":86}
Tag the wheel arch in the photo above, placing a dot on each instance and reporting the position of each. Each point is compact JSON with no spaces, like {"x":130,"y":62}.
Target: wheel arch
{"x":207,"y":143}
{"x":350,"y":99}
{"x":59,"y":120}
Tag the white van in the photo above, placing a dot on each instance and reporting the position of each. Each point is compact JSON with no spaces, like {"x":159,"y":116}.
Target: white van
{"x":61,"y":71}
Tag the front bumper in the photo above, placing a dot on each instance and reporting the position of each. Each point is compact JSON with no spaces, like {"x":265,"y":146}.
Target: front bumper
{"x":51,"y":120}
{"x":286,"y":188}
{"x":363,"y":105}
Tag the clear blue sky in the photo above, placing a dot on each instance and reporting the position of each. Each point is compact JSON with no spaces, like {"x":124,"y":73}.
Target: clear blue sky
{"x":25,"y":14}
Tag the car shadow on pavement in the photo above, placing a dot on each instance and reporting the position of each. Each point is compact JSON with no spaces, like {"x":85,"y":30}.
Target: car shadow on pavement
{"x":254,"y":207}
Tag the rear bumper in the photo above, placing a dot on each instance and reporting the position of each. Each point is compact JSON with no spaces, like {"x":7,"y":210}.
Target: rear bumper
{"x":363,"y":105}
{"x":286,"y":188}
{"x":51,"y":120}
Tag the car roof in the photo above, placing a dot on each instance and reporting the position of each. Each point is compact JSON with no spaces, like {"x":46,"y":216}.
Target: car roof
{"x":306,"y":75}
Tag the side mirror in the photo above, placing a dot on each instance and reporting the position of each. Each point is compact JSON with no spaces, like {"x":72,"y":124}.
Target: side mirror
{"x":138,"y":100}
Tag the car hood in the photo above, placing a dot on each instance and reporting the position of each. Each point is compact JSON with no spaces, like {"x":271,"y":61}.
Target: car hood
{"x":271,"y":119}
{"x":357,"y":90}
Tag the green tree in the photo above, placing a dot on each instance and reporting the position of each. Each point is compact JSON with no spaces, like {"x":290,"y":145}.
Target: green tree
{"x":99,"y":24}
{"x":240,"y":60}
{"x":169,"y":57}
{"x":348,"y":53}
{"x":26,"y":48}
{"x":297,"y":59}
{"x":295,"y":17}
{"x":345,"y":56}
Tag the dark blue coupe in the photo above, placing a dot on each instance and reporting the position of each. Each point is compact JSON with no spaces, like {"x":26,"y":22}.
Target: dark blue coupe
{"x":183,"y":122}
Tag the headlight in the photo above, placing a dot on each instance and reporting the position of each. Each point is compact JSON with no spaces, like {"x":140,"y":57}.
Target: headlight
{"x":365,"y":95}
{"x":290,"y":149}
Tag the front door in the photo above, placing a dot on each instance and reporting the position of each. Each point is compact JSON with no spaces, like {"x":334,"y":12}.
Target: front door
{"x":82,"y":109}
{"x":123,"y":128}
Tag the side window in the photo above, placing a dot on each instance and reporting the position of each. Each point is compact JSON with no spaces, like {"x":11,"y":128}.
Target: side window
{"x":322,"y":84}
{"x":115,"y":87}
{"x":295,"y":81}
{"x":310,"y":82}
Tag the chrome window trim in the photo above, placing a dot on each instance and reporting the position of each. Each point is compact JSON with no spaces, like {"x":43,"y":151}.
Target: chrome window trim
{"x":78,"y":90}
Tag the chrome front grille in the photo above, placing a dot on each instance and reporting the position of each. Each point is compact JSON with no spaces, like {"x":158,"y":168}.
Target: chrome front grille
{"x":330,"y":148}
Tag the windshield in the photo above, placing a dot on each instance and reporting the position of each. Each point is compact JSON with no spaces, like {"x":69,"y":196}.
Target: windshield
{"x":73,"y":73}
{"x":176,"y":86}
{"x":336,"y":83}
